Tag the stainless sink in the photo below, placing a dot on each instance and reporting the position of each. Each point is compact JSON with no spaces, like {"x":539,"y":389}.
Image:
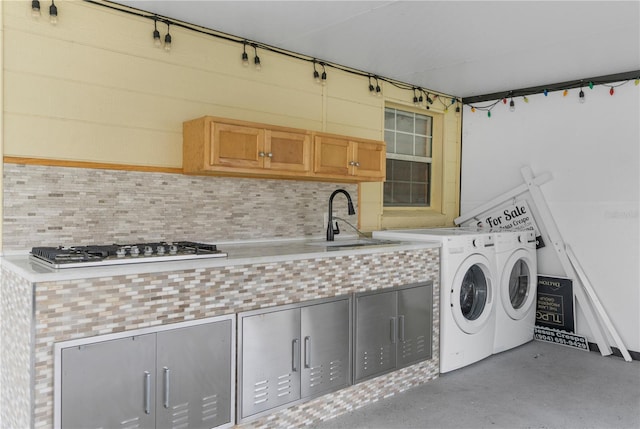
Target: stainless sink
{"x":356,"y":242}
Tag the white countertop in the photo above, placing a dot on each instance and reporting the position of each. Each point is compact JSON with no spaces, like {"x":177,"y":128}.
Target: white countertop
{"x":239,"y":253}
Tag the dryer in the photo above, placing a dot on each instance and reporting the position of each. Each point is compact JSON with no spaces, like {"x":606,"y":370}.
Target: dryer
{"x":467,"y":292}
{"x":516,"y":304}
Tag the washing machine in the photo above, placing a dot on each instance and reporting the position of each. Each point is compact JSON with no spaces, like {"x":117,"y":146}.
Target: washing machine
{"x":516,"y":307}
{"x":467,"y":292}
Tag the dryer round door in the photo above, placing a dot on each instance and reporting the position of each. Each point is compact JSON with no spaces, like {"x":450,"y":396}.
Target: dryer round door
{"x":471,"y":294}
{"x":518,"y":284}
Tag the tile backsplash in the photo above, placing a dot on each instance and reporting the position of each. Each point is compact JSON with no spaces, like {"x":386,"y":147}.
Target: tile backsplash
{"x":51,"y":206}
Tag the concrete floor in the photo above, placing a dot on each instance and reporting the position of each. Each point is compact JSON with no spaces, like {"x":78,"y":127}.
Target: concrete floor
{"x":537,"y":385}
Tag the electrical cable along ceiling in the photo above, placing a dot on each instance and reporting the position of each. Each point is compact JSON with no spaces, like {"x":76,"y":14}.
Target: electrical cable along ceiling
{"x":463,"y":48}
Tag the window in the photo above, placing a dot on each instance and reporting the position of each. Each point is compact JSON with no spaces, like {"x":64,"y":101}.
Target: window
{"x":408,"y":136}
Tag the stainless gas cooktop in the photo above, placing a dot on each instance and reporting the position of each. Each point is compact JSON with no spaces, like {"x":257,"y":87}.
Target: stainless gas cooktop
{"x":116,"y":254}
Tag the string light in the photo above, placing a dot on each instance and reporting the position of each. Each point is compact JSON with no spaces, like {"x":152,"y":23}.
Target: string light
{"x":316,"y":76}
{"x":53,"y":13}
{"x":256,"y":58}
{"x":156,"y":34}
{"x":245,"y":57}
{"x":35,"y":8}
{"x":579,"y":84}
{"x":323,"y":76}
{"x":415,"y":97}
{"x":378,"y":89}
{"x":167,"y":39}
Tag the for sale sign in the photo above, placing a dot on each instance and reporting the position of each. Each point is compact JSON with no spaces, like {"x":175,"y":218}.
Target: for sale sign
{"x":516,"y":216}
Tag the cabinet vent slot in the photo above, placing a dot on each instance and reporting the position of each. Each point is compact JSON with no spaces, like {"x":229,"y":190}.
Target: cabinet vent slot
{"x":385,"y":355}
{"x":133,"y":423}
{"x":421,"y":344}
{"x":261,"y":392}
{"x":284,"y":385}
{"x":407,"y":348}
{"x":209,"y":407}
{"x":335,"y":370}
{"x":315,"y":375}
{"x":180,"y":416}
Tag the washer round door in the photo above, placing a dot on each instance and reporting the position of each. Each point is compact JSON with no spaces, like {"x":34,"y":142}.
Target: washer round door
{"x":518,"y":284}
{"x":471,"y":294}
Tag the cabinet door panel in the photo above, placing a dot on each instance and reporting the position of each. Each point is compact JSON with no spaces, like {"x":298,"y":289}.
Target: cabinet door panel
{"x":270,"y":360}
{"x":414,"y":327}
{"x":371,"y":160}
{"x":325,"y":347}
{"x":236,"y":146}
{"x":375,"y":339}
{"x":332,"y":156}
{"x":109,"y":384}
{"x":287,"y":151}
{"x":194,"y":376}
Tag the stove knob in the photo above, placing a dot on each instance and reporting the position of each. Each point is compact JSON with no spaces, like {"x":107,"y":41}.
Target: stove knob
{"x":134,"y":251}
{"x":121,"y":252}
{"x":148,"y":250}
{"x":173,"y":249}
{"x":160,"y":250}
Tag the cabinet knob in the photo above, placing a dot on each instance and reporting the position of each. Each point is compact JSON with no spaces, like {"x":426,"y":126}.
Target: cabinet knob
{"x":270,"y":155}
{"x":352,"y":163}
{"x":357,"y":164}
{"x":261,"y":154}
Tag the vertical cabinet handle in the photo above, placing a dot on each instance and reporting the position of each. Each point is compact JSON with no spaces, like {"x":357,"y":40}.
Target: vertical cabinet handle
{"x":166,"y":387}
{"x":401,"y":320}
{"x":307,"y":352}
{"x":294,"y":355}
{"x":147,"y":392}
{"x":393,"y":330}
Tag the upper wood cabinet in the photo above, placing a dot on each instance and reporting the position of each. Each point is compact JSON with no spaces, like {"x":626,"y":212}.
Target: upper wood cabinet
{"x":338,"y":156}
{"x":213,"y":145}
{"x":220,"y":146}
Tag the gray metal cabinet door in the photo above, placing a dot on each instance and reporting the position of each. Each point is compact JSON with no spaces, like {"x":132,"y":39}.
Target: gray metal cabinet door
{"x":325,"y":347}
{"x":375,"y":338}
{"x":270,"y":360}
{"x":414,"y":324}
{"x":194,"y":376}
{"x":109,"y":384}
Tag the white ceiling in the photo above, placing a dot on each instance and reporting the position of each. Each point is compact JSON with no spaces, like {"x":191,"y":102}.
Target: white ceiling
{"x":462,"y":48}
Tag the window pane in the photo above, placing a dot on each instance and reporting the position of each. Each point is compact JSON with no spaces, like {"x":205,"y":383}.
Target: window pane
{"x":388,"y":194}
{"x":404,"y":144}
{"x":419,"y":172}
{"x":404,"y":122}
{"x":421,"y":146}
{"x":402,"y":193}
{"x":390,"y":119}
{"x":423,"y":125}
{"x":419,"y":194}
{"x":389,"y":139}
{"x":401,"y":171}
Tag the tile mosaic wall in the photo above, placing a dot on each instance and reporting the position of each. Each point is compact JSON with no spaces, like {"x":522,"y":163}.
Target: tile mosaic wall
{"x":16,"y":351}
{"x":64,"y":206}
{"x":82,"y":308}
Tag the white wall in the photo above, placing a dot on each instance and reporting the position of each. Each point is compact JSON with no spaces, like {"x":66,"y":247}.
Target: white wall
{"x":592,"y":152}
